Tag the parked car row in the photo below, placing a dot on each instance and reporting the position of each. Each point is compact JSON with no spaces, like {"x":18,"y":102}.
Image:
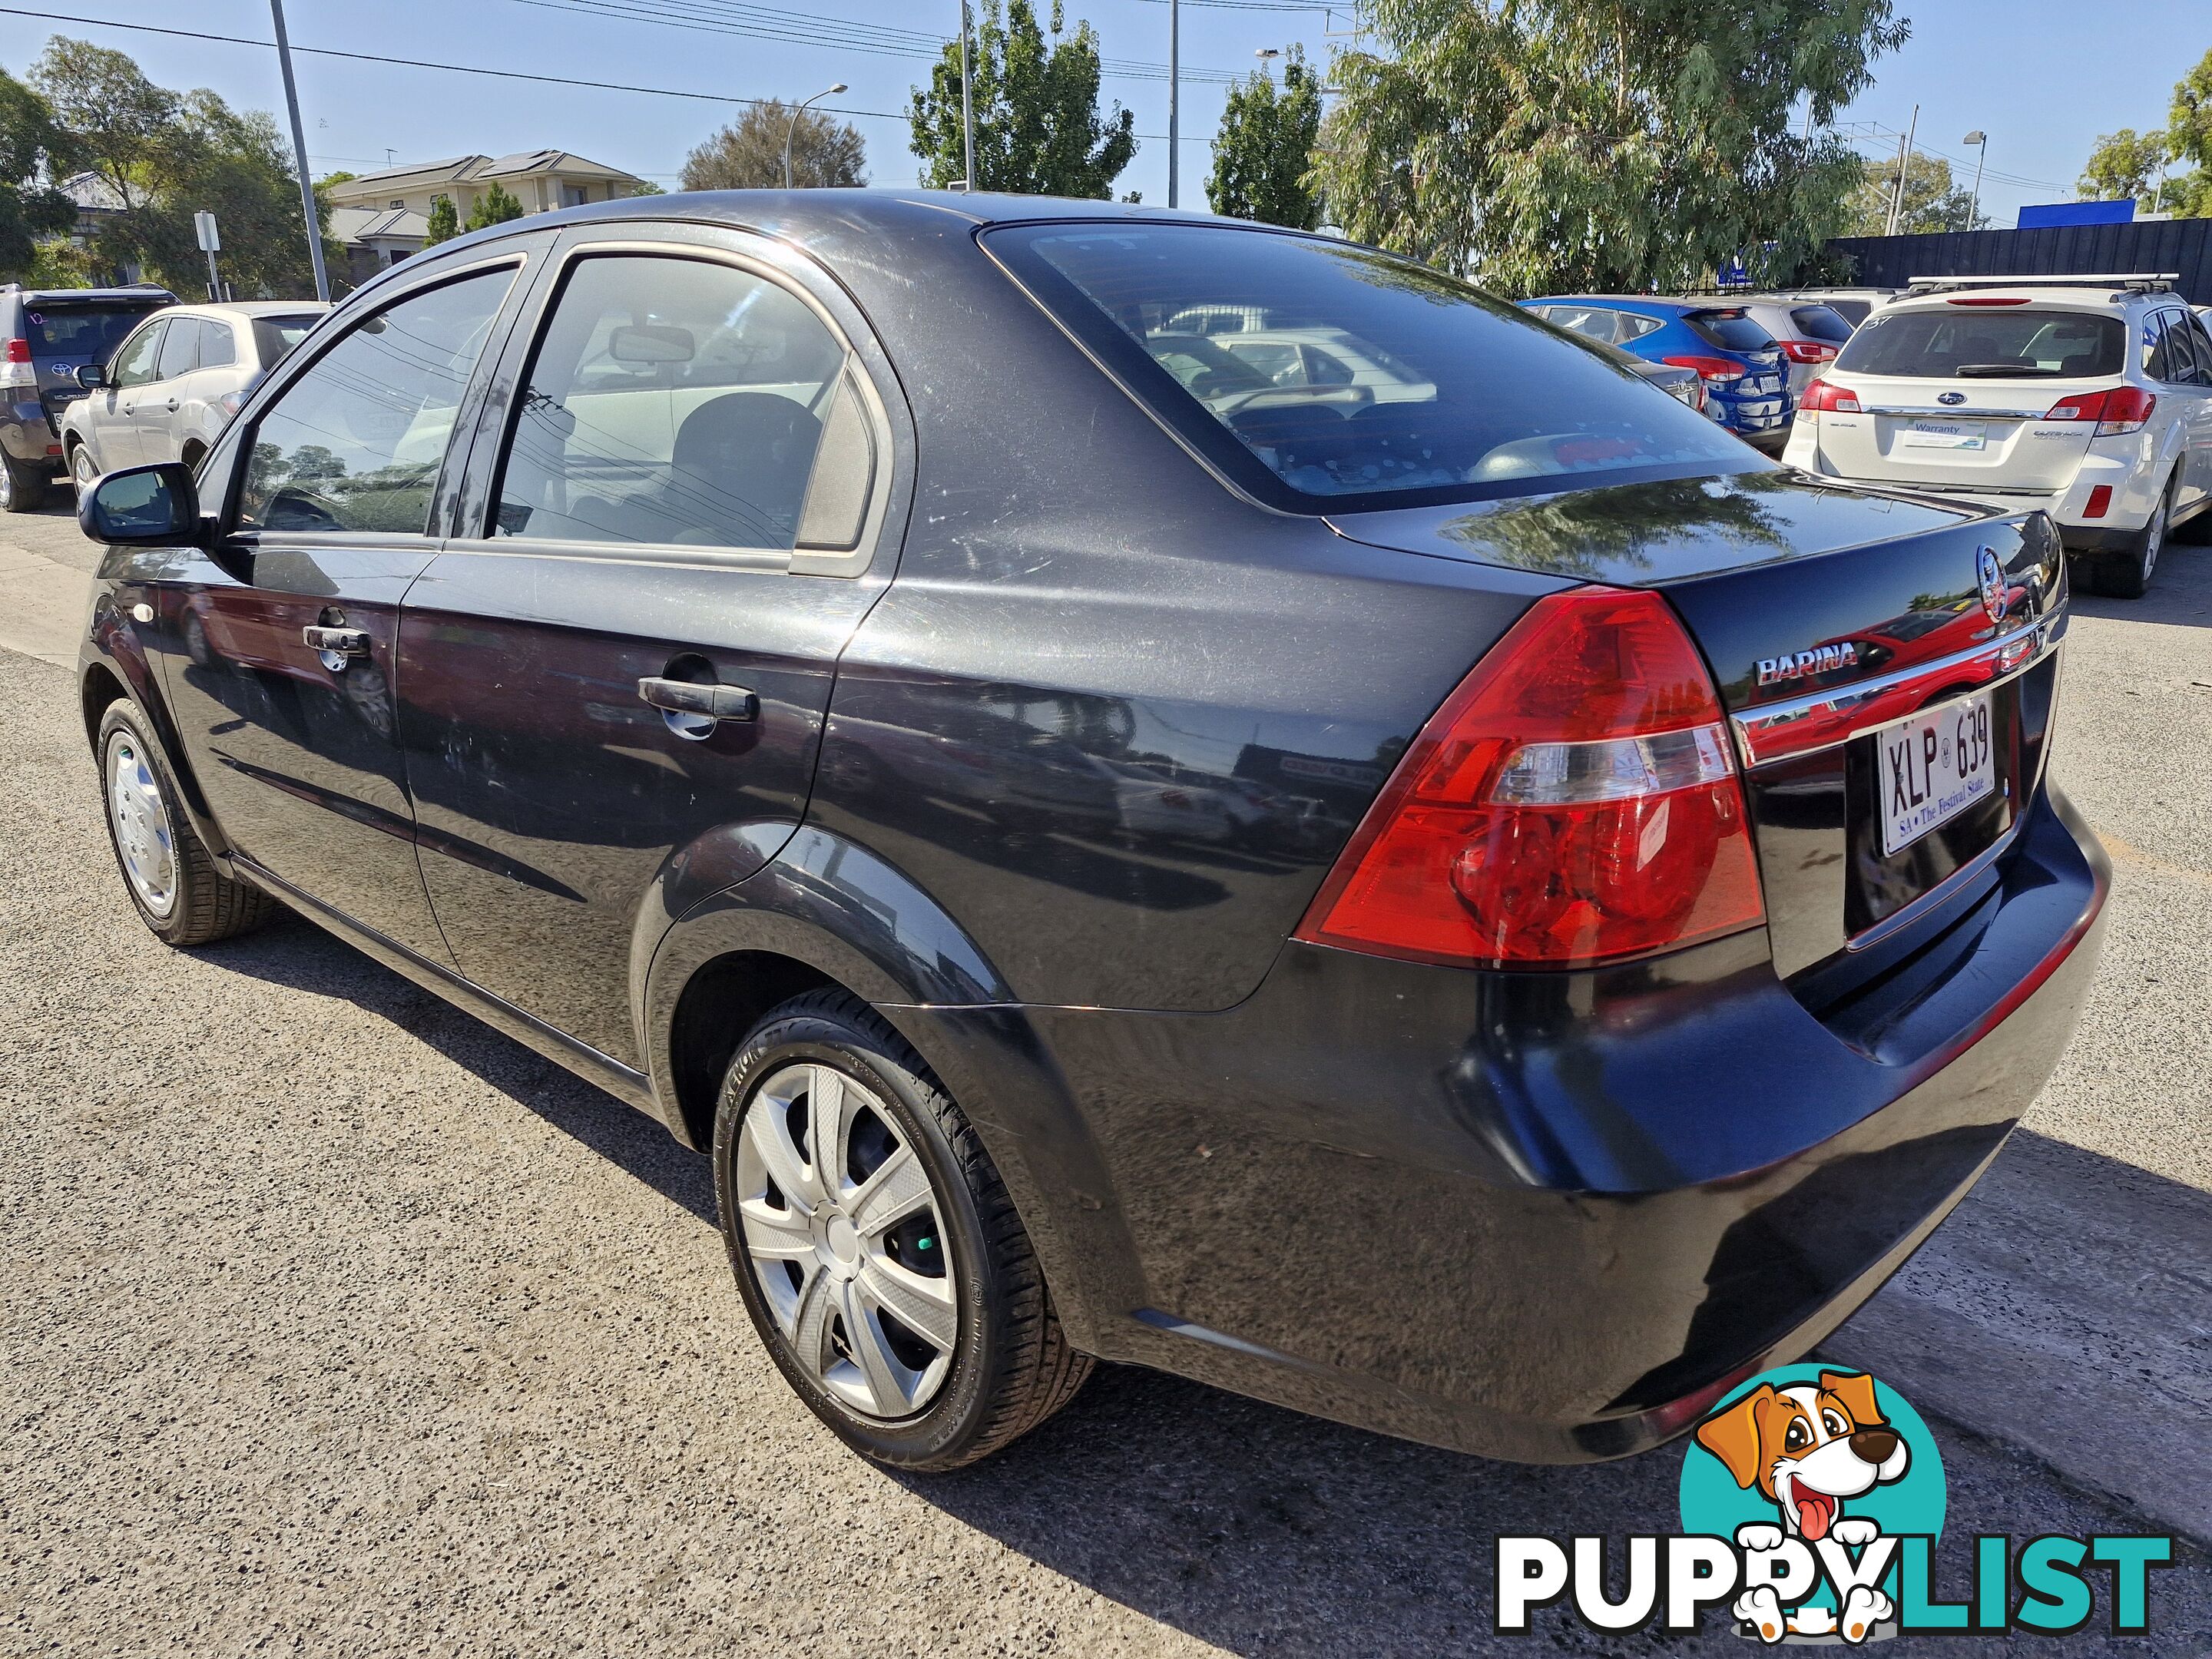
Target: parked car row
{"x":99,"y":378}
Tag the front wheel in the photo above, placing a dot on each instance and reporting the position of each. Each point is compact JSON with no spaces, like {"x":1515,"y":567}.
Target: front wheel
{"x":84,"y":473}
{"x":875,"y":1246}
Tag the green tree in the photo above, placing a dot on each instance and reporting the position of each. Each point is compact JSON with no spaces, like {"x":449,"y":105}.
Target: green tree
{"x":1265,"y":148}
{"x":169,"y":155}
{"x":495,"y":207}
{"x":748,"y":154}
{"x":1038,"y":130}
{"x":1932,"y":202}
{"x":1552,"y":145}
{"x":2189,"y":139}
{"x":31,"y":211}
{"x":444,"y":223}
{"x":2125,"y":163}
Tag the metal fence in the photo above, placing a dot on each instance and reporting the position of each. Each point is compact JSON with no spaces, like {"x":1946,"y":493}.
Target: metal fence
{"x":2160,"y":245}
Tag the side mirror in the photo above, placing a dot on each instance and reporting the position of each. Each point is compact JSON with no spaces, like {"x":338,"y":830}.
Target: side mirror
{"x":156,"y":503}
{"x":92,"y":376}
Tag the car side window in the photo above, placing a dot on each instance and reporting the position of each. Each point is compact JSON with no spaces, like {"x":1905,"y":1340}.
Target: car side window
{"x":2203,"y":344}
{"x":669,"y":400}
{"x":180,"y":349}
{"x":218,"y":345}
{"x":356,"y":442}
{"x":1322,"y":369}
{"x":2181,"y":363}
{"x":134,"y":363}
{"x":2156,"y":356}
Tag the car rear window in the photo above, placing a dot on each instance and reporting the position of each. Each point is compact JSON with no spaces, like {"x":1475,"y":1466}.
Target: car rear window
{"x":1984,"y":342}
{"x":1455,"y":396}
{"x":275,"y":336}
{"x":81,"y":333}
{"x":1853,"y":312}
{"x":1821,"y":323}
{"x":1731,"y":331}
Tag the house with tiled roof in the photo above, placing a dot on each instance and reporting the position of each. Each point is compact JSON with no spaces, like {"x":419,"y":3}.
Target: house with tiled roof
{"x":382,"y":217}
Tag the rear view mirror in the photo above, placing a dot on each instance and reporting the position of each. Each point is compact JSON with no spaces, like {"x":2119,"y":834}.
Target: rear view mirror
{"x":91,"y":376}
{"x":155,"y":503}
{"x":650,"y":343}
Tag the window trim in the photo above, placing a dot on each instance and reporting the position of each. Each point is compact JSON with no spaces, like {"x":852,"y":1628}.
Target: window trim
{"x":299,"y":362}
{"x":478,"y":538}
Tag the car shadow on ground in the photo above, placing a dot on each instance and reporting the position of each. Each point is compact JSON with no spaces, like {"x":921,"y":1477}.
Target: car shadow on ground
{"x":2180,"y":588}
{"x":1263,"y":1531}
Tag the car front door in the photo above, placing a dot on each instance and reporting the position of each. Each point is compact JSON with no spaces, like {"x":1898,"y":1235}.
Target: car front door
{"x":674,"y":500}
{"x":282,"y":677}
{"x":110,"y":413}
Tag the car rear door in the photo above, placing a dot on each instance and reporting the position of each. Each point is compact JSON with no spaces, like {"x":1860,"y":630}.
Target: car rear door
{"x":614,"y":674}
{"x":156,"y":407}
{"x":110,"y":415}
{"x":281,"y":677}
{"x":2185,"y":375}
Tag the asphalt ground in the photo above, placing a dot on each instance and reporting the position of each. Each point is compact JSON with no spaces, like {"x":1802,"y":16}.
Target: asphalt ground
{"x":334,"y":1322}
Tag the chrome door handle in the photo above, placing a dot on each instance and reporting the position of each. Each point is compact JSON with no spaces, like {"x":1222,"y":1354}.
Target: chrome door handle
{"x":339,"y":643}
{"x":714,"y":702}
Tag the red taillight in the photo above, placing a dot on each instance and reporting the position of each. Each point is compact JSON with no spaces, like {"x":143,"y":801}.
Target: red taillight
{"x":2123,"y":409}
{"x":2099,"y":502}
{"x":1988,"y":299}
{"x":1807,"y":351}
{"x":19,"y":351}
{"x":1825,"y":395}
{"x":1712,"y":368}
{"x":1574,"y":801}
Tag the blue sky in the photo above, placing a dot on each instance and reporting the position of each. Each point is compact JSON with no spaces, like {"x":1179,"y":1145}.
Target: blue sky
{"x":2042,"y":77}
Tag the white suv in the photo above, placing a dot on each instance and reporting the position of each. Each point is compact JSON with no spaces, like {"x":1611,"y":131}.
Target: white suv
{"x":2088,"y":397}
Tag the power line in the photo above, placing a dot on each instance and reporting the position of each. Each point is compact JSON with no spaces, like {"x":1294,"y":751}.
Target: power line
{"x":465,"y":69}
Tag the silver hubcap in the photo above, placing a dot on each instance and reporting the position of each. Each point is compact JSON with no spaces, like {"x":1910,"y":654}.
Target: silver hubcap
{"x":140,"y":819}
{"x":838,"y":1216}
{"x":81,"y":464}
{"x":2154,"y":538}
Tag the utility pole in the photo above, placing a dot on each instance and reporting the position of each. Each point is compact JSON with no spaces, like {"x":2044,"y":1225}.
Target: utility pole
{"x":1904,"y":159}
{"x":967,"y":106}
{"x":1175,"y":103}
{"x":300,"y":155}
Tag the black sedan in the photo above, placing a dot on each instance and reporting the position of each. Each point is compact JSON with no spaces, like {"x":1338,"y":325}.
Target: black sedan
{"x":1407,"y":873}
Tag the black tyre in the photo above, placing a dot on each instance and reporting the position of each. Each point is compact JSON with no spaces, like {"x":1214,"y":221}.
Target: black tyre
{"x":2127,"y":574}
{"x":174,"y":884}
{"x":892,"y":1281}
{"x":23,"y":485}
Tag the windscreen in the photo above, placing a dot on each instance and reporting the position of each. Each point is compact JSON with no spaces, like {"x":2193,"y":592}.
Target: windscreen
{"x":1987,"y":342}
{"x":80,"y":333}
{"x":1349,"y":375}
{"x":1821,"y":323}
{"x":1731,"y":331}
{"x":275,"y":336}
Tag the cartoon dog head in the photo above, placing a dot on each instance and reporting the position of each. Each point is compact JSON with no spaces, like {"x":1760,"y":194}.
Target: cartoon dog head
{"x":1807,"y":1448}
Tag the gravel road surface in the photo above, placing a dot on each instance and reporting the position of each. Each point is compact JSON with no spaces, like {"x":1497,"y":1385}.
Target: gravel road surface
{"x":336,"y":1324}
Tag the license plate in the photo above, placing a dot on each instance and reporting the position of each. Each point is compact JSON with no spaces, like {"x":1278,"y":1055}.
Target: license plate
{"x":1945,"y":435}
{"x":1934,"y":766}
{"x":1757,"y":384}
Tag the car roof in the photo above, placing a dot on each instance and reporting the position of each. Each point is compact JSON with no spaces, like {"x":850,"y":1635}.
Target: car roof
{"x":2089,"y":297}
{"x":250,"y":308}
{"x":1651,"y":304}
{"x":47,"y":296}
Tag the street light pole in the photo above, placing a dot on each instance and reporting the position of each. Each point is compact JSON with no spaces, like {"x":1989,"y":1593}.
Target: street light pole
{"x":300,"y":155}
{"x":792,"y":131}
{"x":1174,"y":101}
{"x":967,"y":107}
{"x":1981,"y":140}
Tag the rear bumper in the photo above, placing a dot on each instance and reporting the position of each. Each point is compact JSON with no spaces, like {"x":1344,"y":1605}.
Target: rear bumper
{"x":28,"y":436}
{"x":2132,"y":480}
{"x":1551,"y":1218}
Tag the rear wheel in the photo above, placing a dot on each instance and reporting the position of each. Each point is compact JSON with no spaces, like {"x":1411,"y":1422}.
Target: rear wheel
{"x":173,"y":881}
{"x":23,"y":486}
{"x":2127,"y":574}
{"x":875,"y":1246}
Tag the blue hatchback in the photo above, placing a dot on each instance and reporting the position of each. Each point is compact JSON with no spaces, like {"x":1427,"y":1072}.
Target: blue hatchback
{"x":1746,"y":382}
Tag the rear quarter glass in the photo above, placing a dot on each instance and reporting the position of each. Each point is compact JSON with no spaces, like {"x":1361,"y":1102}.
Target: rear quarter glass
{"x":1468,"y":397}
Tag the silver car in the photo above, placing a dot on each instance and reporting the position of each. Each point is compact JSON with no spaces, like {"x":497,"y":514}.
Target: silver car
{"x":168,"y":390}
